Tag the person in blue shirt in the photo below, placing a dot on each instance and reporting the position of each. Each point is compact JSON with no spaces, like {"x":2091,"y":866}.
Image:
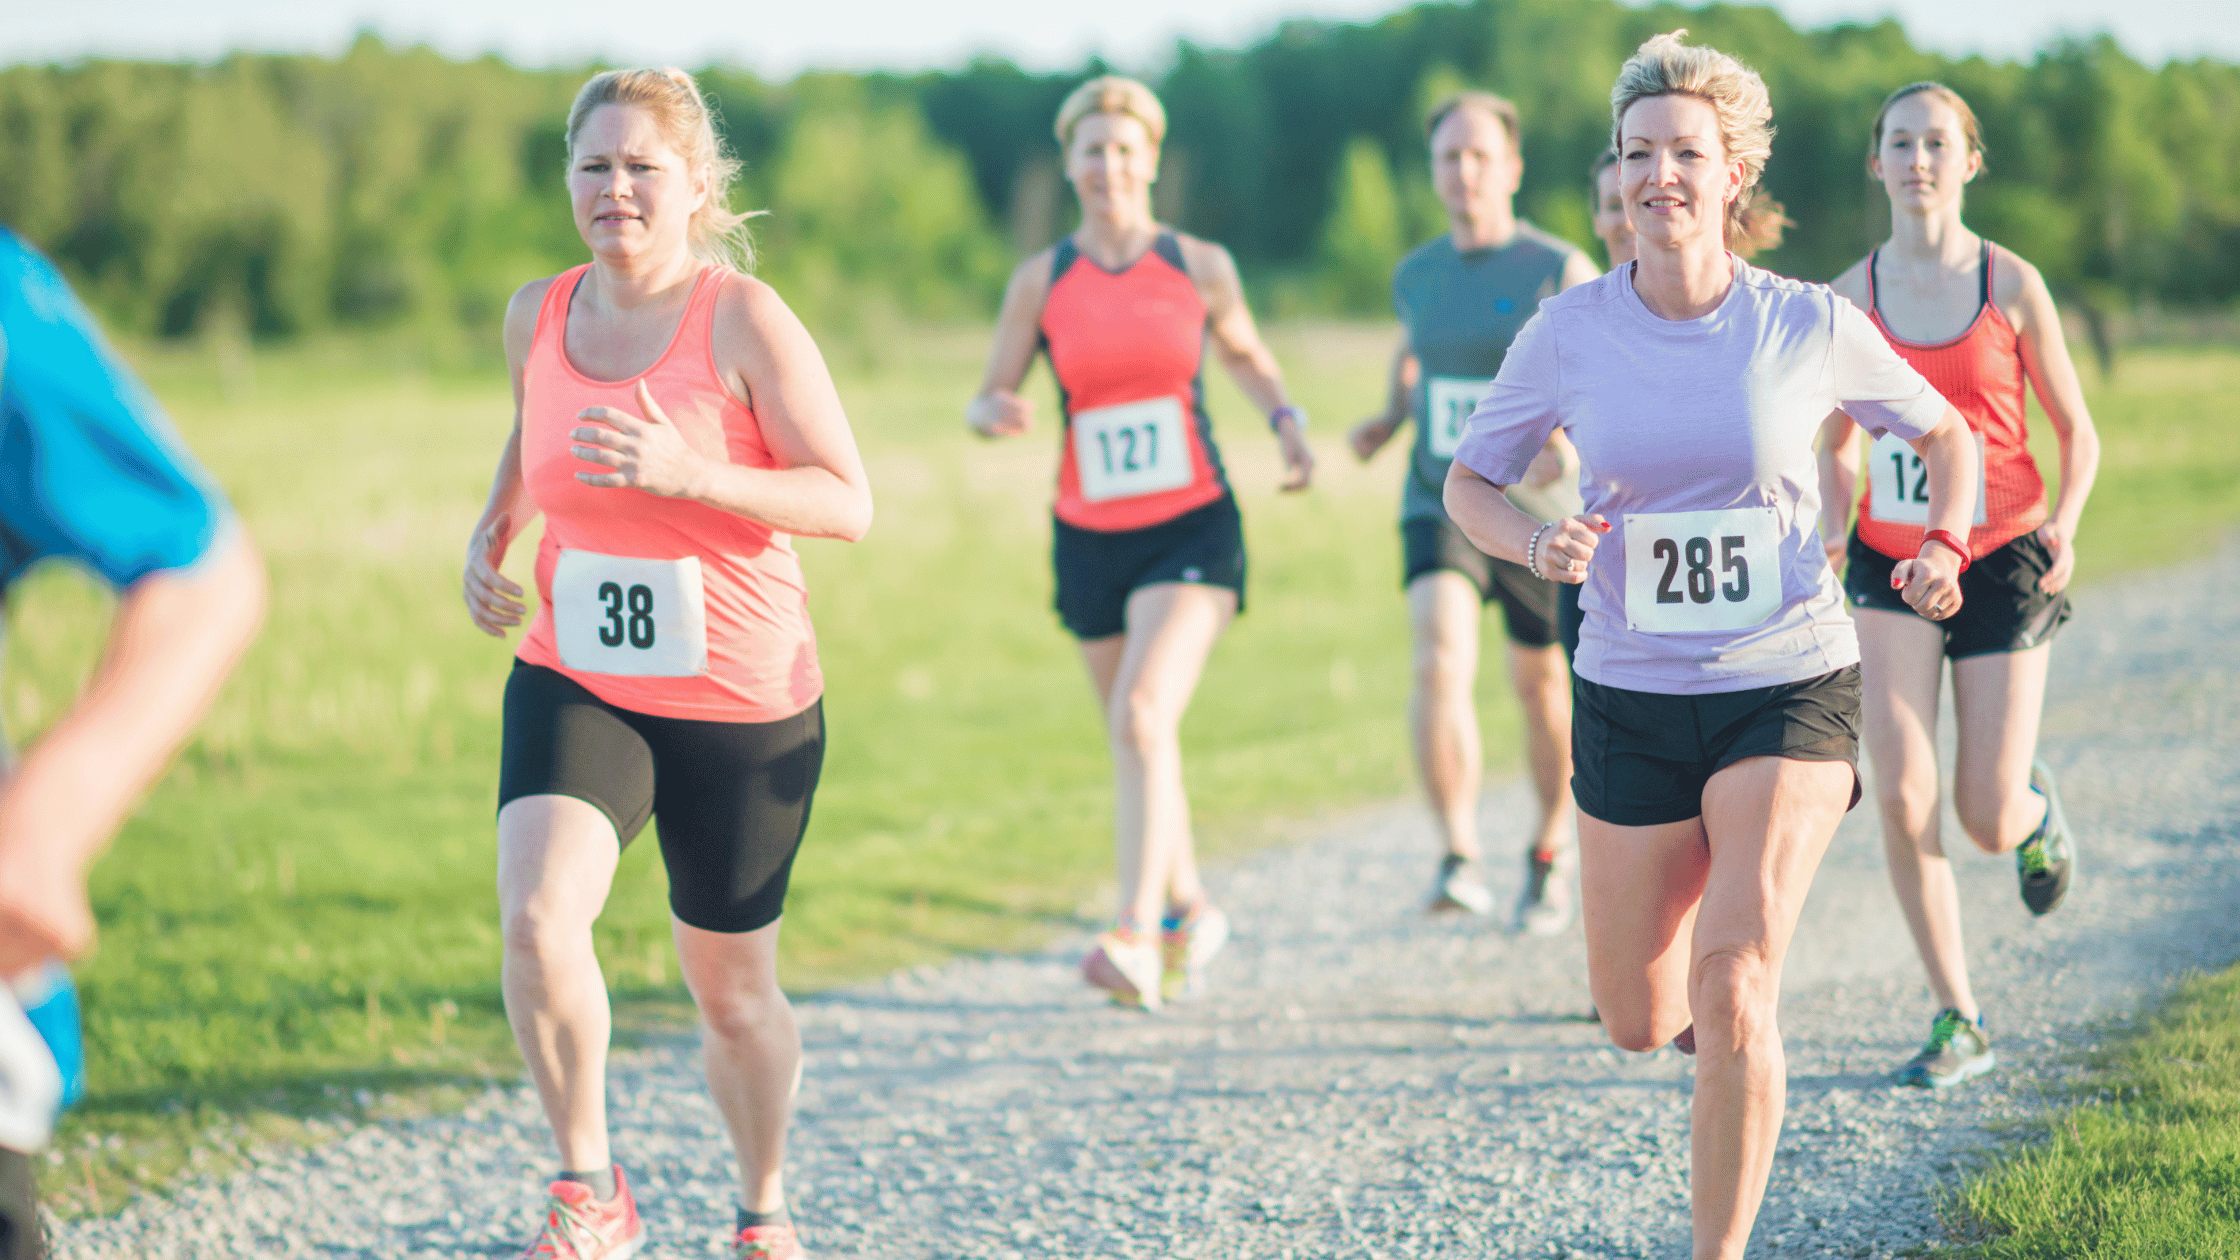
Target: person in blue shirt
{"x":92,"y":475}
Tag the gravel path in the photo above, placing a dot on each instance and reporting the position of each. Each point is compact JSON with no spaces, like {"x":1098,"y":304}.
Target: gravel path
{"x":1366,"y":1082}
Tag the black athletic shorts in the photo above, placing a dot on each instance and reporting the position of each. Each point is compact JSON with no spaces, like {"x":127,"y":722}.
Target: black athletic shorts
{"x":1641,"y":758}
{"x":1099,"y":570}
{"x":1569,"y":617}
{"x":1528,"y":605}
{"x":732,"y":798}
{"x":21,"y":1235}
{"x":2001,"y":607}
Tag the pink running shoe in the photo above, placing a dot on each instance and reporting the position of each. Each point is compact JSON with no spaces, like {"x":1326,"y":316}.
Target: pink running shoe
{"x":579,"y":1227}
{"x":767,"y":1242}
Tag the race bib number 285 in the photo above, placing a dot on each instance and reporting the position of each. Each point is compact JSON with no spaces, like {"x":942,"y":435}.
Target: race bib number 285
{"x":619,"y":615}
{"x":1702,"y":571}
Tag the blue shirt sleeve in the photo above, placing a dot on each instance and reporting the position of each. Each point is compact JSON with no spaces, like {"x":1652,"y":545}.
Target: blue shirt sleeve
{"x":90,"y":469}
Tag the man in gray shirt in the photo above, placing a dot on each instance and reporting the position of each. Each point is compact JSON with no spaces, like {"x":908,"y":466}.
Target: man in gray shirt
{"x":1461,"y":298}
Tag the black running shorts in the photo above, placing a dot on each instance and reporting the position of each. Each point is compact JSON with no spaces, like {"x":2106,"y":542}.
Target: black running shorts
{"x":2001,"y":607}
{"x":1099,"y":570}
{"x":732,"y":798}
{"x":22,"y":1237}
{"x":1569,"y":617}
{"x":1641,"y":758}
{"x":1528,"y":604}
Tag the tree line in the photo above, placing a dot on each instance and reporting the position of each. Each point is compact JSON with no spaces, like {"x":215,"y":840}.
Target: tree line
{"x":390,"y":187}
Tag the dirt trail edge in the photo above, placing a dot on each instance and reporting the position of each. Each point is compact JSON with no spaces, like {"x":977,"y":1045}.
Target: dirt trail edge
{"x":1363,"y":1081}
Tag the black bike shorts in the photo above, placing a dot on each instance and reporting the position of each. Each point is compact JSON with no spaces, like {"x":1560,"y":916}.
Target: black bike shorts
{"x":2002,"y":608}
{"x":1099,"y":570}
{"x":731,"y":798}
{"x":1642,"y":758}
{"x":1528,"y":604}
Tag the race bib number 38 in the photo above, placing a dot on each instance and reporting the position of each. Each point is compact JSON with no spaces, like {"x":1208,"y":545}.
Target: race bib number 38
{"x":643,"y":618}
{"x":1900,"y":494}
{"x":1699,"y":571}
{"x":1131,"y":449}
{"x":1448,"y":402}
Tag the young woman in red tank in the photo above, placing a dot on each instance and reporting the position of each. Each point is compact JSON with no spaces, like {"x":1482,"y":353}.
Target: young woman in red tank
{"x":1978,"y":322}
{"x":1149,"y":549}
{"x":674,"y":424}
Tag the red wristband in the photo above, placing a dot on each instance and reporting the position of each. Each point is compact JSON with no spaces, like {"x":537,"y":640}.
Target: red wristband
{"x":1952,"y":540}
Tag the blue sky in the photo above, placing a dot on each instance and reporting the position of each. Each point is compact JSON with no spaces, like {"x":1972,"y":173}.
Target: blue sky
{"x":779,"y":38}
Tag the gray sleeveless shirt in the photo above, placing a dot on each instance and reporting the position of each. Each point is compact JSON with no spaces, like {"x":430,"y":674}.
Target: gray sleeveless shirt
{"x":1461,"y":311}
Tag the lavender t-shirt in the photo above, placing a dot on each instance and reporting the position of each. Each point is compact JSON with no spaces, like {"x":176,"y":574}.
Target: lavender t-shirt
{"x":1695,"y":441}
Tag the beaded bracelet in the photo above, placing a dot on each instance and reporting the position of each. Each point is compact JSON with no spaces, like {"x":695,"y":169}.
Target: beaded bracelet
{"x":1532,"y":552}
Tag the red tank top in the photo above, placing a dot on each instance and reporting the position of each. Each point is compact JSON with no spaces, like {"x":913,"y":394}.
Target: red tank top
{"x":1980,"y":373}
{"x":761,"y":652}
{"x":1128,"y":348}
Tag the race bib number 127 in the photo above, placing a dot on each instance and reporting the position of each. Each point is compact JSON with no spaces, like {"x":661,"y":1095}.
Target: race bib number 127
{"x":1702,"y":571}
{"x":1900,"y":493}
{"x":1131,"y":449}
{"x":618,"y":615}
{"x":1449,"y":401}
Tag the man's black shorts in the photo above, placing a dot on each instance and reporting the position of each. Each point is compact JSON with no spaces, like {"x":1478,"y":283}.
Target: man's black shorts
{"x":2002,"y":608}
{"x":731,"y":798}
{"x":1098,"y":571}
{"x":1642,"y":758}
{"x":1528,"y":605}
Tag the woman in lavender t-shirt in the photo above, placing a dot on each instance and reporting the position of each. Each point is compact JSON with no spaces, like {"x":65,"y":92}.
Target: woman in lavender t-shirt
{"x":1716,"y":710}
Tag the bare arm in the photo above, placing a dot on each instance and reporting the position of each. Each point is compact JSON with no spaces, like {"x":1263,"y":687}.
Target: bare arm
{"x":2053,"y":377}
{"x":1931,"y":582}
{"x":175,"y":638}
{"x":1498,"y":527}
{"x":1839,"y":481}
{"x":494,"y":601}
{"x":1236,"y":342}
{"x":818,"y":489}
{"x":997,"y":410}
{"x":1369,"y":436}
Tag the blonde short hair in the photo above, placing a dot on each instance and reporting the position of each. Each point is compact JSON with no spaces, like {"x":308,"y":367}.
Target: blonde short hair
{"x":717,"y":233}
{"x":1500,"y":107}
{"x":1663,"y":66}
{"x":1112,"y":94}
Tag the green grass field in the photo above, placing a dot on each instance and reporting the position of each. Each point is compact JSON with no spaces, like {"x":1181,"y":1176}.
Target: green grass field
{"x":2147,"y":1169}
{"x":301,"y":921}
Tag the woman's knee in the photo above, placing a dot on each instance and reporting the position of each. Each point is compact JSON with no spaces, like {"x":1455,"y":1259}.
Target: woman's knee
{"x":1736,"y":988}
{"x":1907,"y":798}
{"x":1990,"y":816}
{"x":742,"y":1011}
{"x":1142,"y":725}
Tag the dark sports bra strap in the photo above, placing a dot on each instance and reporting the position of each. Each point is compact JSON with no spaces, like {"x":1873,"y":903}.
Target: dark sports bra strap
{"x":1062,"y":256}
{"x":1983,"y":298}
{"x":1167,"y":246}
{"x":1874,"y":303}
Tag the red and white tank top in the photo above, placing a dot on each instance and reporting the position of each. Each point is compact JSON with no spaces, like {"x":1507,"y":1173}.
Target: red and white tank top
{"x":656,"y":605}
{"x":1980,"y":373}
{"x":1128,"y":349}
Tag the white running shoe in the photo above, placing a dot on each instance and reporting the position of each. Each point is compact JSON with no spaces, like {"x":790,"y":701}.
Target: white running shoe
{"x":1546,"y":906}
{"x":1187,"y":945}
{"x":1126,"y":962}
{"x":1460,"y":886}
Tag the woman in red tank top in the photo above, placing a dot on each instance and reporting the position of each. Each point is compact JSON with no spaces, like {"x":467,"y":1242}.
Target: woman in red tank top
{"x":1978,"y":322}
{"x":1149,"y":550}
{"x":674,"y":425}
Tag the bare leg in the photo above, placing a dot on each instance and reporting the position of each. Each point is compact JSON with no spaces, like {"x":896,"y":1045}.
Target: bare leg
{"x":1902,"y":665}
{"x":1768,"y":821}
{"x":751,"y":1047}
{"x":1443,"y":610}
{"x":1543,"y":683}
{"x":1997,"y":699}
{"x":1171,"y":628}
{"x":556,"y":860}
{"x":1638,"y":889}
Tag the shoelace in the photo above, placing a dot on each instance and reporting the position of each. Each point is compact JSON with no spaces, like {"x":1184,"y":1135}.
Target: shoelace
{"x":1941,"y":1032}
{"x":561,"y":1228}
{"x":2033,"y":857}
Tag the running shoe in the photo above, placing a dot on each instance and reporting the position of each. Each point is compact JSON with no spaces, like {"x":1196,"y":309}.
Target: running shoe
{"x":1545,"y":907}
{"x":1461,"y":886}
{"x":579,"y":1227}
{"x":1187,"y":944}
{"x":2047,"y":861}
{"x":767,"y":1242}
{"x":1956,"y":1050}
{"x":1126,"y":962}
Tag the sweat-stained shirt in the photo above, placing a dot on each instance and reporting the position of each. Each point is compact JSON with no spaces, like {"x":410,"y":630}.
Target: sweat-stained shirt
{"x":1695,"y":442}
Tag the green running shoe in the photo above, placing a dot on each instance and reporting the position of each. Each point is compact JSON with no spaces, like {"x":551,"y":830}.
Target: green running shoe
{"x":1956,"y":1050}
{"x":2047,"y":861}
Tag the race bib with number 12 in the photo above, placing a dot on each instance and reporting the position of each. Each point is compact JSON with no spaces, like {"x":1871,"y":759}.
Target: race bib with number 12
{"x":618,"y":615}
{"x":1131,"y":449}
{"x":1702,"y":571}
{"x":1900,"y":494}
{"x":1448,"y":402}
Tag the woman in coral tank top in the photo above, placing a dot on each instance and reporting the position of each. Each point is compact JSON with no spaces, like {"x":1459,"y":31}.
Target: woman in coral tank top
{"x":1149,"y":549}
{"x":1978,"y":322}
{"x":673,"y":424}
